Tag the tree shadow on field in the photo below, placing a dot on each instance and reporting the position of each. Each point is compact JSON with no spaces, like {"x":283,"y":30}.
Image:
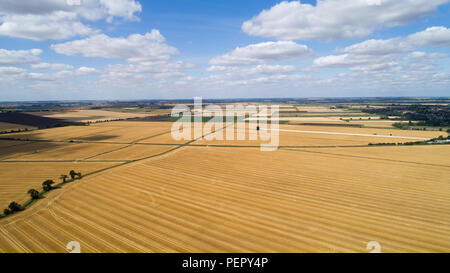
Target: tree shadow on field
{"x":10,"y":149}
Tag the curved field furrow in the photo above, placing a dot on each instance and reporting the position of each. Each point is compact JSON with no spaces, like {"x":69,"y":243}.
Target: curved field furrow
{"x":126,"y":245}
{"x":103,"y":238}
{"x":49,"y":241}
{"x":219,"y":172}
{"x":181,"y":208}
{"x":305,"y":191}
{"x":26,"y":238}
{"x":52,"y":222}
{"x":10,"y":244}
{"x":309,"y":209}
{"x":340,"y":192}
{"x":281,"y":201}
{"x":158,"y":225}
{"x":340,"y":174}
{"x":130,"y":224}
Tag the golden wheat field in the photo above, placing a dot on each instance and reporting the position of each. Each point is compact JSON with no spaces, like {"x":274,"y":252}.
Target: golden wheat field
{"x":154,"y":194}
{"x":300,"y":135}
{"x":18,"y":177}
{"x":111,"y":132}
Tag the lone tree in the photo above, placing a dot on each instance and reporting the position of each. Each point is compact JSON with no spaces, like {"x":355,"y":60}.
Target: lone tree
{"x":63,"y":177}
{"x":47,"y":185}
{"x":72,"y":174}
{"x":14,"y":207}
{"x":75,"y":175}
{"x":34,"y":194}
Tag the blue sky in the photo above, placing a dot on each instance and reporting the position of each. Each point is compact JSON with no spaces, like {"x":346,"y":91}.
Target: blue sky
{"x":129,"y":49}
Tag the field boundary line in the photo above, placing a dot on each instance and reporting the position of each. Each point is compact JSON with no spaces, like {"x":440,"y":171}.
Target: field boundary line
{"x":127,"y":146}
{"x":107,"y":152}
{"x":13,"y":240}
{"x":26,"y":153}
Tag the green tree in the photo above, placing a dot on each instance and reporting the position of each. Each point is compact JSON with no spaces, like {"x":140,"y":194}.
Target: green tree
{"x":72,"y":174}
{"x":47,"y":185}
{"x":14,"y":207}
{"x":34,"y":194}
{"x":79,"y":175}
{"x":63,"y":177}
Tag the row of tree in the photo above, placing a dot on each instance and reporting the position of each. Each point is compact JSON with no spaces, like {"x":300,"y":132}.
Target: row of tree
{"x":14,"y":131}
{"x":47,"y":186}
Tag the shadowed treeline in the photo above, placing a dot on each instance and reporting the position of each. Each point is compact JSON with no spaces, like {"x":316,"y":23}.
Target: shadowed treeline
{"x":36,"y":121}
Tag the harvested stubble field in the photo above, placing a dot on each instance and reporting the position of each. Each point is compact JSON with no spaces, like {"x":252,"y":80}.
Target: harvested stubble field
{"x":299,"y":135}
{"x":20,"y":148}
{"x":340,"y":121}
{"x":46,"y":154}
{"x":426,"y":155}
{"x":237,"y":199}
{"x":370,"y":131}
{"x":134,"y":152}
{"x":69,"y":151}
{"x":90,"y":115}
{"x":221,"y":199}
{"x":4,"y":126}
{"x":111,"y":132}
{"x":18,"y":177}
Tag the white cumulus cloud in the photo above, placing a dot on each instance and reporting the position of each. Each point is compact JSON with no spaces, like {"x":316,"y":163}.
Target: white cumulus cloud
{"x":433,"y":36}
{"x":51,"y":66}
{"x":41,"y":20}
{"x":134,"y":48}
{"x":379,"y":47}
{"x":387,"y":54}
{"x":19,"y":57}
{"x":261,"y":53}
{"x":121,"y":8}
{"x":336,"y":19}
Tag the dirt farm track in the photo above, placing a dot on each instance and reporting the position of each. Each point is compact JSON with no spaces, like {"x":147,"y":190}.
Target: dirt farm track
{"x":145,"y":192}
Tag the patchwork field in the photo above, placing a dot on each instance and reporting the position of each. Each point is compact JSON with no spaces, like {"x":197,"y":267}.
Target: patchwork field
{"x":90,"y":115}
{"x":69,"y":151}
{"x":150,"y":193}
{"x":299,"y":135}
{"x":5,"y":126}
{"x":125,"y":132}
